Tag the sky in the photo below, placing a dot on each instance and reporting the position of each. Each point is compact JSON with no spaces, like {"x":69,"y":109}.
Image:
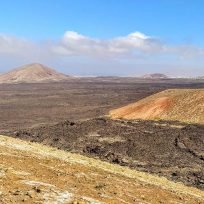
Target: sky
{"x":104,"y":37}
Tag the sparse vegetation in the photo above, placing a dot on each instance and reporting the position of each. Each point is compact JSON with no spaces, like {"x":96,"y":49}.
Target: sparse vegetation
{"x":33,"y":176}
{"x":160,"y":147}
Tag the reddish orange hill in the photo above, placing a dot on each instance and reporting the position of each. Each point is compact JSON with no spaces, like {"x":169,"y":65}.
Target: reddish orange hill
{"x":186,"y":105}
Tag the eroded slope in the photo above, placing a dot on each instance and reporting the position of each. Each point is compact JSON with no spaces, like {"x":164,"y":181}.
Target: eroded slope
{"x":185,"y":105}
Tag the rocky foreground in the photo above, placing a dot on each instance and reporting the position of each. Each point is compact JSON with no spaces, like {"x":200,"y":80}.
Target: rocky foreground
{"x":33,"y":173}
{"x":170,"y":149}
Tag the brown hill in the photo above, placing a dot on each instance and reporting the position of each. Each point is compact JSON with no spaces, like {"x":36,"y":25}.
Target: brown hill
{"x":32,"y":73}
{"x":185,"y":105}
{"x":155,"y":76}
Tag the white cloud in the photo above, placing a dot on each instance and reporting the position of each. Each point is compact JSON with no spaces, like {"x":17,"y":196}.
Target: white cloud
{"x":122,"y":51}
{"x":135,"y":45}
{"x":186,"y":51}
{"x":13,"y":45}
{"x":73,"y":43}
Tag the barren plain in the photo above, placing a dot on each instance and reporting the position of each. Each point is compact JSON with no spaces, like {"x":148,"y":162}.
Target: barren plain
{"x":72,"y":116}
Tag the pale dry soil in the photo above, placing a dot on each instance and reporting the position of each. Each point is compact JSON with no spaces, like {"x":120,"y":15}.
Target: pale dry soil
{"x":33,"y":173}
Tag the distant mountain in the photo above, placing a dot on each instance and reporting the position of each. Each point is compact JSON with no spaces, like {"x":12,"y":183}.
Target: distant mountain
{"x":32,"y":73}
{"x":155,"y":76}
{"x":200,"y":77}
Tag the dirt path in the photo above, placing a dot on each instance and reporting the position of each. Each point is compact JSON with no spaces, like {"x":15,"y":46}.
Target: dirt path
{"x":33,"y":173}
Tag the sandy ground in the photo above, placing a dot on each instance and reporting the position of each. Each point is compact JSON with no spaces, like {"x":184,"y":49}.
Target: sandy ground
{"x":33,"y":173}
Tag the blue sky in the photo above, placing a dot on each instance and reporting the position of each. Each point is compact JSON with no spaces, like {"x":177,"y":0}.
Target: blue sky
{"x":93,"y":37}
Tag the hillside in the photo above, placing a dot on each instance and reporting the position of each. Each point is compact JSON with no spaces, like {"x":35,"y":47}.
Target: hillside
{"x":186,"y":105}
{"x":32,"y":73}
{"x":33,"y":173}
{"x":170,"y":149}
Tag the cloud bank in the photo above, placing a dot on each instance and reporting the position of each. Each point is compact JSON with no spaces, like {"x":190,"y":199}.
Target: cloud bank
{"x":135,"y":47}
{"x":74,"y":44}
{"x":13,"y":45}
{"x":134,"y":44}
